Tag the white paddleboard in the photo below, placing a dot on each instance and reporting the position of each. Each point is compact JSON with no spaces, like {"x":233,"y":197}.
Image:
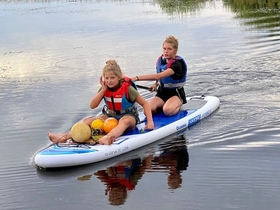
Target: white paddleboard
{"x":71,"y":154}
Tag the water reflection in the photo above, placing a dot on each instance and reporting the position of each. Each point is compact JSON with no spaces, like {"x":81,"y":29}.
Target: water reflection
{"x":263,"y":16}
{"x":122,"y":178}
{"x":254,"y":13}
{"x":173,"y":160}
{"x":257,"y":13}
{"x":181,"y":7}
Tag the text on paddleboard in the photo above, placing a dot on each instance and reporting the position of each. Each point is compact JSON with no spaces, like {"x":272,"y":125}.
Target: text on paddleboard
{"x":181,"y":126}
{"x":116,"y":151}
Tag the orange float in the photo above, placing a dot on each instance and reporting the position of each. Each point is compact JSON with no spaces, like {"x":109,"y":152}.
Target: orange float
{"x":109,"y":124}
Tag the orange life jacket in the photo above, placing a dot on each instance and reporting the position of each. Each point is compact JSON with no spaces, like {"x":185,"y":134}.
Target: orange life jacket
{"x":118,"y":101}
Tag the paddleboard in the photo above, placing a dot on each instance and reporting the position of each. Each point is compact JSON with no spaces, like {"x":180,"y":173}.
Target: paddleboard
{"x":74,"y":154}
{"x":154,"y":150}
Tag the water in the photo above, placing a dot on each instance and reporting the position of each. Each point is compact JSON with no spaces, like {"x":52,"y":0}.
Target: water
{"x":51,"y":56}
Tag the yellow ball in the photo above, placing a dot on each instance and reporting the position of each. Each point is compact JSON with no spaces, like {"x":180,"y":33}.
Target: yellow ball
{"x":109,"y":124}
{"x":80,"y":132}
{"x":97,"y":124}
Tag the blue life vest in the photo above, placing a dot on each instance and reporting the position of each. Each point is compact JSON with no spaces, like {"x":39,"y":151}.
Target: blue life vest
{"x":169,"y":82}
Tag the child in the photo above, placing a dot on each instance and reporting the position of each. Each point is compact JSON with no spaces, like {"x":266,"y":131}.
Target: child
{"x":120,"y":97}
{"x":171,"y":74}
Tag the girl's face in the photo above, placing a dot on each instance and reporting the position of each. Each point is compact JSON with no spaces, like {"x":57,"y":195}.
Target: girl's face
{"x":111,"y":80}
{"x":168,"y":51}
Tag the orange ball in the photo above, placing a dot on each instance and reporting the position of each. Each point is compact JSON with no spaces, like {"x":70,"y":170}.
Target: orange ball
{"x":109,"y":124}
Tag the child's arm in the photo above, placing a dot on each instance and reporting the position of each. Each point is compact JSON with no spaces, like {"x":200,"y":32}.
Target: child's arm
{"x":95,"y":101}
{"x":147,"y":111}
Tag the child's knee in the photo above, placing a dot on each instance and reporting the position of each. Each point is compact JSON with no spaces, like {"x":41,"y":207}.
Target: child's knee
{"x":169,"y":111}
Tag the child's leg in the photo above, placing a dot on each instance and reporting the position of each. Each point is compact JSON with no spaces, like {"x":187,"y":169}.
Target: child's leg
{"x":156,"y":103}
{"x":63,"y":137}
{"x":59,"y":137}
{"x":125,"y":122}
{"x":172,"y":106}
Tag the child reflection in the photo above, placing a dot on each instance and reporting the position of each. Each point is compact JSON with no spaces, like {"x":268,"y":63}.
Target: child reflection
{"x":122,"y":178}
{"x":174,"y":159}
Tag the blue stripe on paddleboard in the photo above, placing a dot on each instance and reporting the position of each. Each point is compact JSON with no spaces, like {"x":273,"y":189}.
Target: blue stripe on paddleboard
{"x":197,"y":118}
{"x":194,"y":120}
{"x":57,"y":150}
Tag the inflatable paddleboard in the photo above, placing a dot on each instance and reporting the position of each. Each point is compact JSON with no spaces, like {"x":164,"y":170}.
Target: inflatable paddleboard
{"x":74,"y":154}
{"x":155,"y":150}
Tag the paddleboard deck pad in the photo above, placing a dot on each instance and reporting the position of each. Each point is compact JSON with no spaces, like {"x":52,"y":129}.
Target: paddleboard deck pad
{"x":74,"y":154}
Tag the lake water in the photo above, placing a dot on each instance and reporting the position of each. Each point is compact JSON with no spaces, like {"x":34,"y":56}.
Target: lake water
{"x":51,"y":57}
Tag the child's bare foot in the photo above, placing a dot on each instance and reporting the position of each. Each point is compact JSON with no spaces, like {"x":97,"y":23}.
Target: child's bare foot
{"x":57,"y":138}
{"x":107,"y":139}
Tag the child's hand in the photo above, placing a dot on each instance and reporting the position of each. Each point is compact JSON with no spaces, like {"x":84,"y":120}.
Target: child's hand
{"x":133,"y":79}
{"x":149,"y":126}
{"x":153,"y":87}
{"x":102,"y":83}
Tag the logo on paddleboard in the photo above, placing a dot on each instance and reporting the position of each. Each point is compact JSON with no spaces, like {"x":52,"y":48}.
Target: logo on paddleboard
{"x":194,"y":120}
{"x":181,"y":127}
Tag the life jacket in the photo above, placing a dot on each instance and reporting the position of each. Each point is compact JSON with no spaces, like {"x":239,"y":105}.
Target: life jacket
{"x":118,"y":102}
{"x":169,"y":82}
{"x":120,"y":177}
{"x":127,"y":176}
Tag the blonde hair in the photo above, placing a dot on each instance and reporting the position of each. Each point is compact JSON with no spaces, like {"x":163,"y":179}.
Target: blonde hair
{"x":172,"y":40}
{"x":111,"y":65}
